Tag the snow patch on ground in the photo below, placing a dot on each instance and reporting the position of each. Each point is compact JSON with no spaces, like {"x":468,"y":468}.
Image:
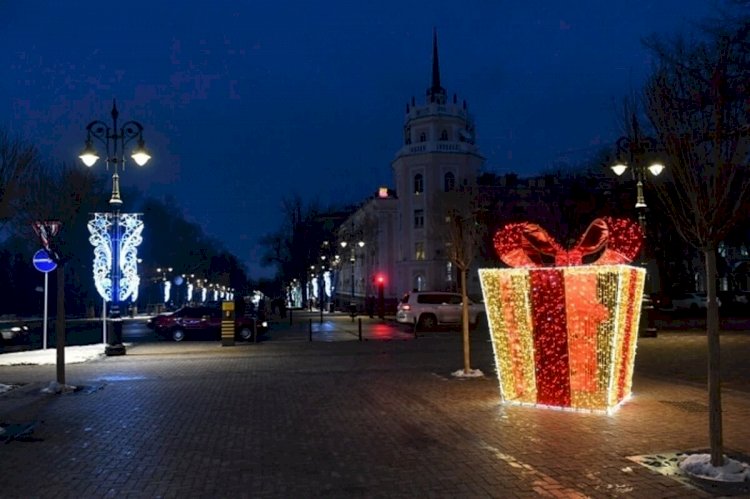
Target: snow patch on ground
{"x":55,"y":387}
{"x":73,"y":355}
{"x":700,"y":466}
{"x":471,"y":373}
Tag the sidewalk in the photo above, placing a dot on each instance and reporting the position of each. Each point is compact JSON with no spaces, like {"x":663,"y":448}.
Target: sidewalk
{"x":283,"y":419}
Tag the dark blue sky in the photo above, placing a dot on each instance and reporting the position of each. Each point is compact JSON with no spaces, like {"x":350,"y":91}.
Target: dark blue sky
{"x":245,"y":103}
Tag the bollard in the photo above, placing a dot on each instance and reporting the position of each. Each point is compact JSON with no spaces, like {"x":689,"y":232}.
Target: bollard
{"x":321,"y":314}
{"x":360,"y":329}
{"x":255,"y":330}
{"x":227,"y":323}
{"x":310,"y":330}
{"x":291,"y":311}
{"x":415,"y":328}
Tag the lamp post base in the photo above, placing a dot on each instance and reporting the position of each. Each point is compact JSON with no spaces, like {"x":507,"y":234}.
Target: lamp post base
{"x":114,"y":337}
{"x":114,"y":350}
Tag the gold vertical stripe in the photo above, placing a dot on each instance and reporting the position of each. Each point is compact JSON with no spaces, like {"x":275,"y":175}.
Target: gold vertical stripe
{"x":525,"y":334}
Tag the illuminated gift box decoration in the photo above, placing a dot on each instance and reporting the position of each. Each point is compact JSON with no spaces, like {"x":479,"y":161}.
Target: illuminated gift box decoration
{"x":565,"y":335}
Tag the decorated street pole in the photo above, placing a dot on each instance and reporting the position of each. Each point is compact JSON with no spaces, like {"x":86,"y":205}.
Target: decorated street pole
{"x":115,"y":235}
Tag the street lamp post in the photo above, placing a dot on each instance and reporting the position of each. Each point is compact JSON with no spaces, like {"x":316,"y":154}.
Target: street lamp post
{"x":633,"y":154}
{"x":352,"y":259}
{"x":166,"y":284}
{"x":115,"y":235}
{"x":323,"y":288}
{"x":312,"y":288}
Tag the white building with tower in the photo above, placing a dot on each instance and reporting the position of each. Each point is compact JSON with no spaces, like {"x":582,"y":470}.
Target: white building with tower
{"x":438,"y":153}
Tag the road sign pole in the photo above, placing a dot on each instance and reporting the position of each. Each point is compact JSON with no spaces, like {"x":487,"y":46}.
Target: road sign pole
{"x":46,"y":305}
{"x":44,"y":263}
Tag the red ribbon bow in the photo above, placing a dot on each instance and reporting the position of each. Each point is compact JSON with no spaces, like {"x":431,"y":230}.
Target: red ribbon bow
{"x":525,"y":244}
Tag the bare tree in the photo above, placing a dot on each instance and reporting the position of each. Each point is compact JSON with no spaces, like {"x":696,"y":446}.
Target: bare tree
{"x":462,"y":232}
{"x":296,"y":244}
{"x":18,"y":163}
{"x":696,"y":100}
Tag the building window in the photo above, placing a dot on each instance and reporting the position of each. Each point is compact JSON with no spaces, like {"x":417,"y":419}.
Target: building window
{"x":418,"y":219}
{"x":449,"y":272}
{"x":450,"y":181}
{"x":407,"y":135}
{"x":444,"y":135}
{"x":418,"y":183}
{"x":419,"y":251}
{"x":423,"y":137}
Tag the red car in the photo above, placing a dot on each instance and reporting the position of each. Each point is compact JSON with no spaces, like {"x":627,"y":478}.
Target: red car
{"x":204,"y":323}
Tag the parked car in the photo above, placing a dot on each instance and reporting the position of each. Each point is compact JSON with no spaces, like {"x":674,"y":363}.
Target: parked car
{"x":661,"y":301}
{"x":205,"y":322}
{"x":691,"y":301}
{"x":14,"y":333}
{"x":430,"y":309}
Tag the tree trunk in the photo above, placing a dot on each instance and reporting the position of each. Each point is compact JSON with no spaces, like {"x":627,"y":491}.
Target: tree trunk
{"x":465,"y":322}
{"x":714,"y":363}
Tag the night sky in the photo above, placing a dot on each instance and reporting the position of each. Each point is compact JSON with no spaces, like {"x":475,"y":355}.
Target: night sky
{"x":246,"y":103}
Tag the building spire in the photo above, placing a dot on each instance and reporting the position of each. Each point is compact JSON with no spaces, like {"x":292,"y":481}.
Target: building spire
{"x":435,"y":62}
{"x":436,"y":93}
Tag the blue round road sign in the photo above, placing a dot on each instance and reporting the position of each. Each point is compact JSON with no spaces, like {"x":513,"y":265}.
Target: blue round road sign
{"x":43,"y":262}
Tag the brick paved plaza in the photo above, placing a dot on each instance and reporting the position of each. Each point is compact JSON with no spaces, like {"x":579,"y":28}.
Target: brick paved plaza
{"x":297,"y":419}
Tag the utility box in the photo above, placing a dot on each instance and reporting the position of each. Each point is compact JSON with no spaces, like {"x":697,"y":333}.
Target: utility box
{"x":227,"y":323}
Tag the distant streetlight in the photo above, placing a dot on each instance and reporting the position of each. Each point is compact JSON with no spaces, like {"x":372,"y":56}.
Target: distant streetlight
{"x":631,"y":152}
{"x":115,"y":235}
{"x":166,"y":281}
{"x":352,"y":259}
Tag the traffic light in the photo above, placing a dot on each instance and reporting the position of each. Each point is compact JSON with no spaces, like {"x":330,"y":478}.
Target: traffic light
{"x":380,"y":281}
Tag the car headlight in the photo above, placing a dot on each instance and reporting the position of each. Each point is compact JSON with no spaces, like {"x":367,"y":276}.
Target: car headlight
{"x":264,"y":324}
